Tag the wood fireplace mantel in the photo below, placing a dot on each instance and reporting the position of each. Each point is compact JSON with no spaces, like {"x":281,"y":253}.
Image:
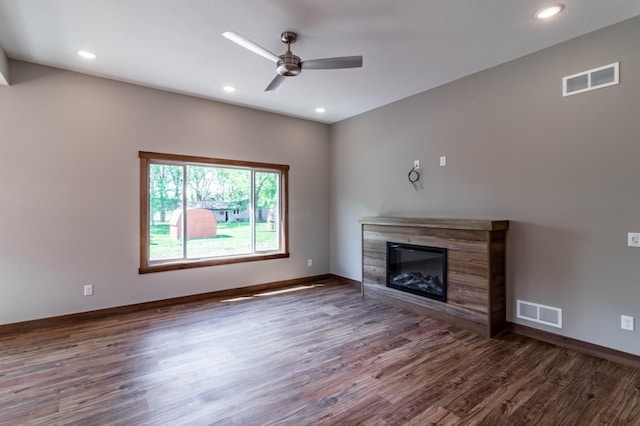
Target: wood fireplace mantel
{"x":423,"y":222}
{"x":476,"y":263}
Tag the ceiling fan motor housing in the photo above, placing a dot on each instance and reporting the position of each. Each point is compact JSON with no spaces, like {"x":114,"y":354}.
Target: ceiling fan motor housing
{"x":289,"y":65}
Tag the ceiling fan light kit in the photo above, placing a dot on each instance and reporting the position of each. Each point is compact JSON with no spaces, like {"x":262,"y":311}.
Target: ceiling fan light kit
{"x":288,"y":64}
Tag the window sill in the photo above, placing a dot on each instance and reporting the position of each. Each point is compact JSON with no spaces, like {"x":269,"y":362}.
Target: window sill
{"x":174,"y":266}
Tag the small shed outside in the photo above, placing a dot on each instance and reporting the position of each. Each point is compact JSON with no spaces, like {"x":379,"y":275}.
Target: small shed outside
{"x":201,"y":223}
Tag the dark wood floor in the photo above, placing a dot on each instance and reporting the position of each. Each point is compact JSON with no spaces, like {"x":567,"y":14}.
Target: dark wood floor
{"x":321,"y":356}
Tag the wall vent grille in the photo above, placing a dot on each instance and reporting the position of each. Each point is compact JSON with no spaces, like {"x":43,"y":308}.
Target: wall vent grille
{"x":542,"y":314}
{"x":596,"y":78}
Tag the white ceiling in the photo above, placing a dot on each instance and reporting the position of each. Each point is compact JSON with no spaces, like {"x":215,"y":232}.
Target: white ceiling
{"x":409,"y":46}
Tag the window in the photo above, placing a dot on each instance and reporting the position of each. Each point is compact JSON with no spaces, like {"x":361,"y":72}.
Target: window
{"x":197,"y":211}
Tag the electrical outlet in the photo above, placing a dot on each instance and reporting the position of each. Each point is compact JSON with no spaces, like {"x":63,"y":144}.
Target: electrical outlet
{"x":309,"y":262}
{"x":88,"y":290}
{"x":443,"y":161}
{"x":634,"y":239}
{"x":626,"y":323}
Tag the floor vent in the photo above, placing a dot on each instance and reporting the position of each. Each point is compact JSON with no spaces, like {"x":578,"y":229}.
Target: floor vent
{"x":542,"y":314}
{"x":596,"y":78}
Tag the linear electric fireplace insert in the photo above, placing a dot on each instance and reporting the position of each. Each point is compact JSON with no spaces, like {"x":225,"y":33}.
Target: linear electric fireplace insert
{"x":416,"y":269}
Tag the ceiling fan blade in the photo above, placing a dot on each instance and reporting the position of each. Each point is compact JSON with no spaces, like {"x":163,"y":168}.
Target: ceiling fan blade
{"x":332,"y":63}
{"x":275,"y":83}
{"x":248,"y":44}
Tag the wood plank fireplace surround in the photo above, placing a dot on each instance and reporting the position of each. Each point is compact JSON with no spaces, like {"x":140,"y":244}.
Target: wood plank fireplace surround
{"x":475,"y":271}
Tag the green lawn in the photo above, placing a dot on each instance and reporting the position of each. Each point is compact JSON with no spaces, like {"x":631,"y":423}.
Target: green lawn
{"x":233,"y":238}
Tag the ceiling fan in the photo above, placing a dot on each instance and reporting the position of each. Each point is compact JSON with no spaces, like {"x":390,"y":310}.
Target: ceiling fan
{"x":288,"y":64}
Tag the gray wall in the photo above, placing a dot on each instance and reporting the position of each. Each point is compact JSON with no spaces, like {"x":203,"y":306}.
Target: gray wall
{"x":564,"y":171}
{"x":69,"y":185}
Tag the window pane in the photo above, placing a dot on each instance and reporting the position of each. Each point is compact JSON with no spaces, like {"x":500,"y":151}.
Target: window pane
{"x":165,"y":199}
{"x":218,"y":206}
{"x":267,"y":211}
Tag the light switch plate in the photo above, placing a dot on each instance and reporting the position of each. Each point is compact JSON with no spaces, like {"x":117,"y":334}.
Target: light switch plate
{"x":634,"y":239}
{"x":443,"y":161}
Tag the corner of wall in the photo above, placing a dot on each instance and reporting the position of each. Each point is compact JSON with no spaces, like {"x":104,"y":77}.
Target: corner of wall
{"x":4,"y":68}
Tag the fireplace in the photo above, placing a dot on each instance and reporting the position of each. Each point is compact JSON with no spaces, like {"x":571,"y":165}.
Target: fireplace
{"x":476,"y":268}
{"x":420,"y":270}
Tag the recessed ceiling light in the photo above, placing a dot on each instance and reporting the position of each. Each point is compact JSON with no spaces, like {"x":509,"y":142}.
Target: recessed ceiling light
{"x":229,"y":89}
{"x":549,"y":11}
{"x":87,"y":55}
{"x":320,"y":110}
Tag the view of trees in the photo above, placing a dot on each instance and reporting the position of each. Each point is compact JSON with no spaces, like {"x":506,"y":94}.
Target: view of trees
{"x":165,"y":188}
{"x":225,"y":185}
{"x":266,"y":193}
